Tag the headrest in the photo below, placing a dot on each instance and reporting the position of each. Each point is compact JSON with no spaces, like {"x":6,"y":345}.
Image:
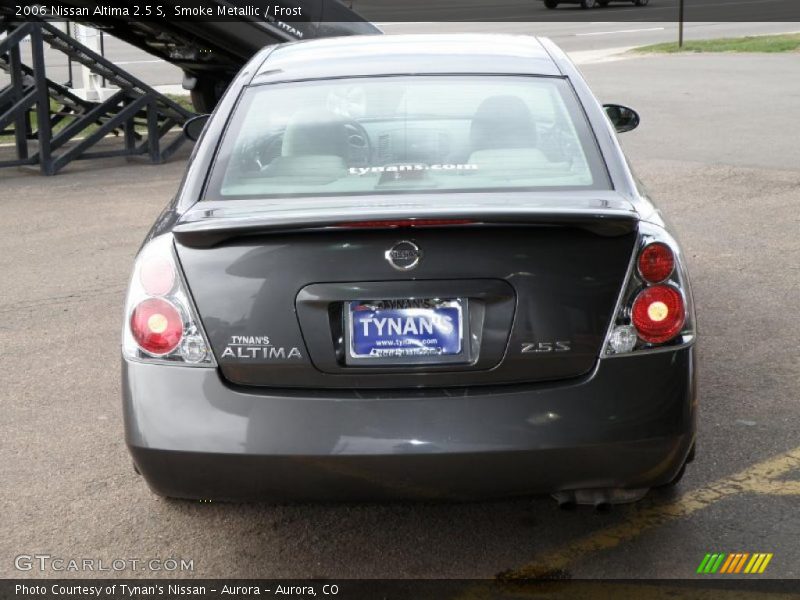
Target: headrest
{"x":503,"y":122}
{"x":315,"y":132}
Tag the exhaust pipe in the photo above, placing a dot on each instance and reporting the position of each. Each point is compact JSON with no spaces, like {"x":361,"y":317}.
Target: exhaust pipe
{"x":602,"y":499}
{"x":566,"y":500}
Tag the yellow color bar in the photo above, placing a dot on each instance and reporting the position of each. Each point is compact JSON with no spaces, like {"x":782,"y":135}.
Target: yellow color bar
{"x":757,"y":564}
{"x":765,"y":563}
{"x":752,"y":563}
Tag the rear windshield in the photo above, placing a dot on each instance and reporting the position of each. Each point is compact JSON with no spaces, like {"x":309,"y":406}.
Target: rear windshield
{"x":406,"y":134}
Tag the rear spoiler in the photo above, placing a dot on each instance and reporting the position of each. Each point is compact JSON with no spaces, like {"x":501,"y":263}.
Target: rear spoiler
{"x":208,"y":224}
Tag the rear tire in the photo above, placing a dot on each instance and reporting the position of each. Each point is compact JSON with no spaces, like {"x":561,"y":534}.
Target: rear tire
{"x":675,"y":480}
{"x":692,"y":453}
{"x":603,"y":3}
{"x":207,"y":93}
{"x":550,"y":3}
{"x":679,"y":475}
{"x":588,"y":3}
{"x":203,"y":99}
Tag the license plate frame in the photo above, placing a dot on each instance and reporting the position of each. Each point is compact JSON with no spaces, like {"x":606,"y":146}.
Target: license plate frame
{"x":404,"y":356}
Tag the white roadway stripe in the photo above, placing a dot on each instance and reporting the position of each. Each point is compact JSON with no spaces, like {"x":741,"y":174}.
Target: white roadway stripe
{"x":620,"y":31}
{"x":136,"y":62}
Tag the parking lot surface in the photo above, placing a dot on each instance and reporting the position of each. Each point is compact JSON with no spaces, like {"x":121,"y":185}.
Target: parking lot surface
{"x":717,"y":150}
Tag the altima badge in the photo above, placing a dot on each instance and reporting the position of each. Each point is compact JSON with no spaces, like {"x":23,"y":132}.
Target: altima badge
{"x":404,"y":255}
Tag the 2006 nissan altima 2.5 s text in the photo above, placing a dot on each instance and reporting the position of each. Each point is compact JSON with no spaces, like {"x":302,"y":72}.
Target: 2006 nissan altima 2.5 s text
{"x":418,"y":266}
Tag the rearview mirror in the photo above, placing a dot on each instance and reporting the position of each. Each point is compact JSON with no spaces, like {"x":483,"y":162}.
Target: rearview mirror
{"x":194,"y":127}
{"x":622,"y":118}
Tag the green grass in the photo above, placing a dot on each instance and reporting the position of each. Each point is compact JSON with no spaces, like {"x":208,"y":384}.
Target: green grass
{"x":183,"y":99}
{"x":789,"y":42}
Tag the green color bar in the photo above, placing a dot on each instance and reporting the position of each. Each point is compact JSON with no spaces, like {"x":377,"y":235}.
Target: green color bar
{"x":718,"y":564}
{"x":701,"y":568}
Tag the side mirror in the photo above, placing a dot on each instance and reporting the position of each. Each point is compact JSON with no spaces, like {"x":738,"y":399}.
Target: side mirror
{"x":194,"y":127}
{"x":622,"y":118}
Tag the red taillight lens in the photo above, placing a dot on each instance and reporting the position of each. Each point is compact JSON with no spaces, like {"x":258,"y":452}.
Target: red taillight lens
{"x":656,"y":262}
{"x":658,"y":313}
{"x":157,"y":275}
{"x":156,"y":326}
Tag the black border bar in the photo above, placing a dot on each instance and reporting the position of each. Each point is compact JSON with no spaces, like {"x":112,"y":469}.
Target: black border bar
{"x":390,"y":589}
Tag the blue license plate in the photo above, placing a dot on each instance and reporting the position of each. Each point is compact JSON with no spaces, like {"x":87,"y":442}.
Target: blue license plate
{"x":405,"y":328}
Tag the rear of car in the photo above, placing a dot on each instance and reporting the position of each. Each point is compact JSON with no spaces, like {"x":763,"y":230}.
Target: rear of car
{"x":403,"y":285}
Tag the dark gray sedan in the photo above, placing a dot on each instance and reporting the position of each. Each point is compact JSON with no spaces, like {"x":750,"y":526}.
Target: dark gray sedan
{"x":410,"y":266}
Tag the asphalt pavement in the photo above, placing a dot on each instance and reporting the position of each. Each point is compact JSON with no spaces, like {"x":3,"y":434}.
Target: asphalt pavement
{"x":717,"y":150}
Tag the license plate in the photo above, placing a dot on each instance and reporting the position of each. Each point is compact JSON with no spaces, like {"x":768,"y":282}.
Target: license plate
{"x":405,"y":329}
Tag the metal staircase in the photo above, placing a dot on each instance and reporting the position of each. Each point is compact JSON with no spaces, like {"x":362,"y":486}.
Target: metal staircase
{"x":141,"y":115}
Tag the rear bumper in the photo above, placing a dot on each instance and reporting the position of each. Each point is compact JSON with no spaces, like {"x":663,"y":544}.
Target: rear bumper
{"x":629,"y":424}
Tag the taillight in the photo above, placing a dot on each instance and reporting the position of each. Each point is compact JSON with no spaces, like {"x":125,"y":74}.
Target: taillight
{"x":658,"y":314}
{"x":655,"y":305}
{"x":161,"y":324}
{"x":156,"y":326}
{"x":656,"y":262}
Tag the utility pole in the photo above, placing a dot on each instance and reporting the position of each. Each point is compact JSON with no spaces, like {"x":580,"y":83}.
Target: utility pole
{"x":680,"y":23}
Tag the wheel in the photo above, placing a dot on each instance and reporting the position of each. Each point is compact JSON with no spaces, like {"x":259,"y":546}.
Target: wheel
{"x":692,"y":453}
{"x":675,"y":480}
{"x":203,"y":100}
{"x":689,"y":458}
{"x":640,"y":2}
{"x":207,"y":92}
{"x":550,"y":3}
{"x":588,"y":3}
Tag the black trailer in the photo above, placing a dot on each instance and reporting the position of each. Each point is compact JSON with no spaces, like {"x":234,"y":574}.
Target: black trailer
{"x":51,"y":126}
{"x":211,"y":52}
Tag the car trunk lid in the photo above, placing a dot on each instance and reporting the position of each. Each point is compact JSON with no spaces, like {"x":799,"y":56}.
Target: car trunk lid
{"x":538,"y":277}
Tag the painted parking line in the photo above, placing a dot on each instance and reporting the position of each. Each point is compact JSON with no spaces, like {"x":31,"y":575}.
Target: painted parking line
{"x":761,"y":478}
{"x":780,"y":488}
